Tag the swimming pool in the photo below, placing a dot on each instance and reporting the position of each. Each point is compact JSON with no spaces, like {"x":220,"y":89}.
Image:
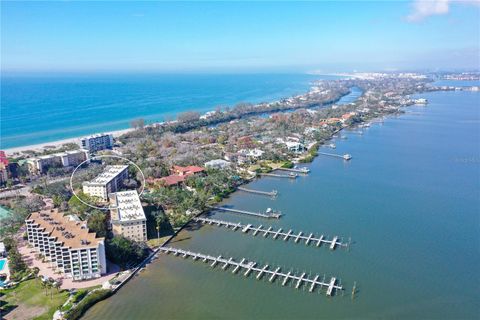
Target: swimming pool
{"x":2,"y":263}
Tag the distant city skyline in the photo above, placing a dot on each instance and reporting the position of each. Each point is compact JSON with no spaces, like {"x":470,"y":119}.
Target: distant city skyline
{"x":239,"y":37}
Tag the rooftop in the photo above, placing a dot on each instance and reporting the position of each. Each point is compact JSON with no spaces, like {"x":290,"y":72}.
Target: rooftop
{"x":128,"y":206}
{"x":187,"y":170}
{"x":73,"y":234}
{"x":98,"y":135}
{"x":108,"y":174}
{"x":59,"y":154}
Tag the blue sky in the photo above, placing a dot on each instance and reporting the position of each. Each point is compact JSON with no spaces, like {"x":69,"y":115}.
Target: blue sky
{"x":239,"y":37}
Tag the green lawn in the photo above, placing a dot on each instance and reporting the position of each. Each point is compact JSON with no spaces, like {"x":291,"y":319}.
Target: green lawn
{"x":30,"y":301}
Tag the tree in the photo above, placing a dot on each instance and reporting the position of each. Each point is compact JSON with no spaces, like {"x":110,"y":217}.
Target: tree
{"x":122,"y":251}
{"x":49,"y":285}
{"x":56,"y":285}
{"x":138,"y":123}
{"x":188,"y":116}
{"x":78,"y":207}
{"x":35,"y":271}
{"x":97,"y":222}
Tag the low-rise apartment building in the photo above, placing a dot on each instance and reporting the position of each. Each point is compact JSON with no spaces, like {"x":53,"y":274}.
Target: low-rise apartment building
{"x":127,"y":216}
{"x":97,"y":142}
{"x":67,"y":244}
{"x":109,"y":181}
{"x":39,"y":165}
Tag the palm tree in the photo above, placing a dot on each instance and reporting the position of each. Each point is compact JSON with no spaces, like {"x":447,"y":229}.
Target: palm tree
{"x":49,"y":285}
{"x":36,"y":271}
{"x":44,"y":285}
{"x":56,"y":285}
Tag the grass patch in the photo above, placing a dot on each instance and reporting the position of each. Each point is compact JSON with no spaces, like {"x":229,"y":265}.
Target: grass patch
{"x":29,"y":296}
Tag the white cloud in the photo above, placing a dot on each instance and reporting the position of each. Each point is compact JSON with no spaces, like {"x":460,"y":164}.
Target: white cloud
{"x":422,"y":9}
{"x":426,"y":8}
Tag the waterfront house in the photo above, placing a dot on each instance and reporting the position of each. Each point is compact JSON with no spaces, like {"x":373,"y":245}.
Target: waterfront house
{"x":217,"y":164}
{"x":185,"y":171}
{"x":295,"y":147}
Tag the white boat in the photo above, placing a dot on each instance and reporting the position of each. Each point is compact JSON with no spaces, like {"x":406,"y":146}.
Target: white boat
{"x":332,"y":146}
{"x":347,"y":156}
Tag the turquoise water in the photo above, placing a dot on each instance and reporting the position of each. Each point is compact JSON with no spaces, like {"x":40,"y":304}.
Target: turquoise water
{"x":37,"y":109}
{"x":409,"y":199}
{"x":2,"y":263}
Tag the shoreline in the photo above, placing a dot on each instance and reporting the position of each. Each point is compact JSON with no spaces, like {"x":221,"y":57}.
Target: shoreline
{"x":116,"y":133}
{"x":59,"y":143}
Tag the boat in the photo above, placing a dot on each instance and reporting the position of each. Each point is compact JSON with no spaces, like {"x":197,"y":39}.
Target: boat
{"x":332,"y":146}
{"x":347,"y":157}
{"x":292,"y":175}
{"x":272,"y":213}
{"x":421,"y":101}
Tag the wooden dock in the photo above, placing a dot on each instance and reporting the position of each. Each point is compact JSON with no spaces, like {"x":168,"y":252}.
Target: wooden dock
{"x":303,"y":170}
{"x":272,"y":193}
{"x":267,"y":215}
{"x":245,"y":228}
{"x":251,"y":267}
{"x":344,"y":157}
{"x":274,"y":175}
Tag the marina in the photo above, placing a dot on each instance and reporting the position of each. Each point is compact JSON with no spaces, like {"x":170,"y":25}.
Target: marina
{"x":316,"y":240}
{"x":251,"y":267}
{"x":269,"y":213}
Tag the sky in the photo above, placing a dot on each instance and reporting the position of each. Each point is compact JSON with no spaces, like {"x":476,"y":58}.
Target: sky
{"x":325,"y":36}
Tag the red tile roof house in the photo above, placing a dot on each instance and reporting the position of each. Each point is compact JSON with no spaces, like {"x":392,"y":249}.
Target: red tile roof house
{"x":185,"y":171}
{"x":180,"y":174}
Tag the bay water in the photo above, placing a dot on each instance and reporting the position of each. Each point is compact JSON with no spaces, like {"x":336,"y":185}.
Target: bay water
{"x":409,"y":199}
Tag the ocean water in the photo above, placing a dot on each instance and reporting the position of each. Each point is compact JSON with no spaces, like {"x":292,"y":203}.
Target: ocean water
{"x":38,"y":109}
{"x":409,"y":199}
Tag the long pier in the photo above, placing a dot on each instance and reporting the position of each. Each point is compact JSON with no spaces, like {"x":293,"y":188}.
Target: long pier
{"x":245,"y":228}
{"x":275,"y":215}
{"x":288,"y":176}
{"x":251,"y":267}
{"x":303,"y":170}
{"x":344,"y":157}
{"x":272,"y":193}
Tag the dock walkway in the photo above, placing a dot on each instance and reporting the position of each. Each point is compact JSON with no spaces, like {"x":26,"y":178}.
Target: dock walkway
{"x":302,"y":170}
{"x":251,"y":267}
{"x":344,"y":157}
{"x":272,"y":193}
{"x":245,"y":228}
{"x":289,"y":176}
{"x":275,"y":215}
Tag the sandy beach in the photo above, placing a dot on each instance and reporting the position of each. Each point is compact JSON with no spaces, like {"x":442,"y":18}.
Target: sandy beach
{"x":58,"y":143}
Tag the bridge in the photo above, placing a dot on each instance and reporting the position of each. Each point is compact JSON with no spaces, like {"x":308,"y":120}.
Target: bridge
{"x":245,"y":228}
{"x":252,"y":267}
